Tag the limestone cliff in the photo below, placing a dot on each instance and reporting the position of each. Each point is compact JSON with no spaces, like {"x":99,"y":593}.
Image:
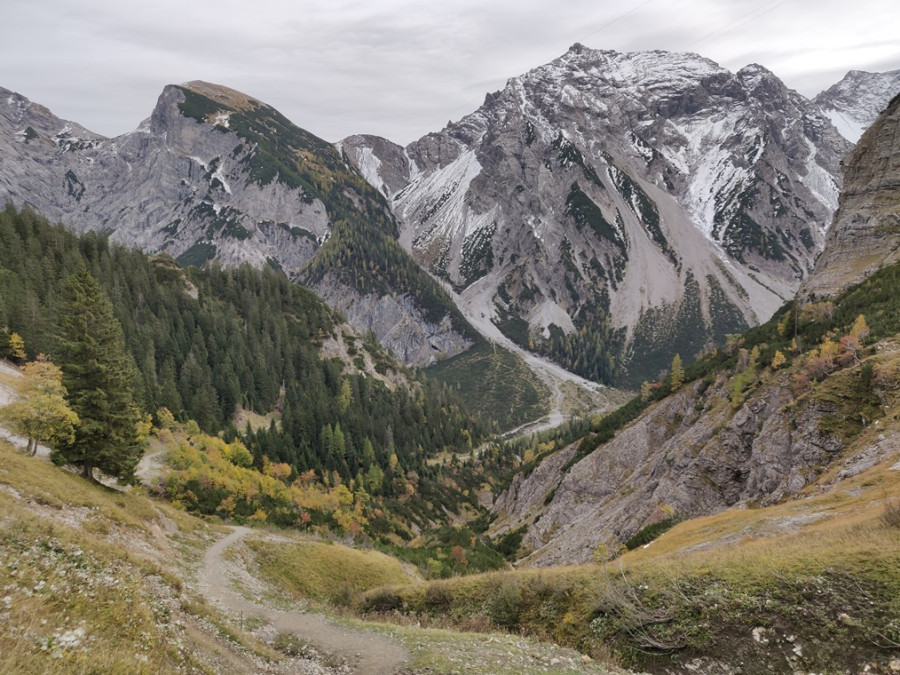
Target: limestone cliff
{"x":745,"y":436}
{"x":693,"y":453}
{"x":865,"y":234}
{"x":612,"y":209}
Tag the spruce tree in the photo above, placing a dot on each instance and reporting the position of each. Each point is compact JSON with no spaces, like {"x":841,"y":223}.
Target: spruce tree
{"x":99,"y":376}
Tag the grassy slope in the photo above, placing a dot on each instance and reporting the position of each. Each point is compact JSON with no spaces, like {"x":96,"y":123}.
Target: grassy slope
{"x":86,"y":574}
{"x":818,"y":577}
{"x":97,"y":580}
{"x":325,"y":571}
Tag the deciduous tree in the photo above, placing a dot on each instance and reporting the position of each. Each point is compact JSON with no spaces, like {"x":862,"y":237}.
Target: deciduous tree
{"x":41,"y":415}
{"x":677,"y":373}
{"x":16,"y":347}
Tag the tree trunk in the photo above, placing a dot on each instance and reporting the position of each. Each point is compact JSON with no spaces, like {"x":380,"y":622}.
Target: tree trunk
{"x":32,"y":446}
{"x":88,"y":472}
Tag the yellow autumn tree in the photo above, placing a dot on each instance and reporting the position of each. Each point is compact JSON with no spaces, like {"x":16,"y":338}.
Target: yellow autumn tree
{"x":860,"y":329}
{"x":677,"y":373}
{"x":778,"y":360}
{"x":16,"y":347}
{"x":41,"y":414}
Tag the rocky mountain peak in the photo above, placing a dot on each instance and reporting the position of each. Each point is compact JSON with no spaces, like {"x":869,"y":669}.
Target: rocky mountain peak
{"x":227,"y":97}
{"x":607,"y":194}
{"x":855,"y":102}
{"x":216,"y":174}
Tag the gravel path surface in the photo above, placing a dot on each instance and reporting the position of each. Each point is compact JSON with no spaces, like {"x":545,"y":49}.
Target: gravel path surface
{"x":365,"y":653}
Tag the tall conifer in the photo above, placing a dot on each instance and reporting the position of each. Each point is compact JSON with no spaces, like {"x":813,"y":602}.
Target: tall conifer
{"x":99,"y":376}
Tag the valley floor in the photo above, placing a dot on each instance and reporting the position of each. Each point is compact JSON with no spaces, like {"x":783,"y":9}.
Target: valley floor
{"x":100,"y":580}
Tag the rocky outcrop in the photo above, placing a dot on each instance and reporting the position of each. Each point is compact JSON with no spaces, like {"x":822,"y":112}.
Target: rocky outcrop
{"x":865,"y":235}
{"x":654,"y":191}
{"x":396,"y":321}
{"x":383,"y":163}
{"x":709,"y":446}
{"x":176,"y":184}
{"x":526,"y":495}
{"x":692,"y":453}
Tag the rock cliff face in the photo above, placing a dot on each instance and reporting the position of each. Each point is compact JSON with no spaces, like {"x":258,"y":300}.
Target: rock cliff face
{"x":177,"y":184}
{"x":708,"y":446}
{"x":214,"y":174}
{"x":865,"y":234}
{"x":646,"y":202}
{"x":691,"y":452}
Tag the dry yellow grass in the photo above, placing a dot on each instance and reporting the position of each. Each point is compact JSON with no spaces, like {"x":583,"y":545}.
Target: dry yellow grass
{"x":324,"y":571}
{"x":92,"y":578}
{"x":242,"y":417}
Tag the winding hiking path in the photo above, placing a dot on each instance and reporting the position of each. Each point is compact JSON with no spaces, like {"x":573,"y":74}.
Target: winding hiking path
{"x":366,"y":653}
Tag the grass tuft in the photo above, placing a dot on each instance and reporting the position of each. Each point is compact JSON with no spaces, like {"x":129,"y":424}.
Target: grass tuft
{"x":891,"y":515}
{"x":326,"y":572}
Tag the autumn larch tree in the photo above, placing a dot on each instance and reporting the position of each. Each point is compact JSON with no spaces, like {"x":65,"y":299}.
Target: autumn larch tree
{"x":16,"y":348}
{"x":677,"y":373}
{"x":99,"y":375}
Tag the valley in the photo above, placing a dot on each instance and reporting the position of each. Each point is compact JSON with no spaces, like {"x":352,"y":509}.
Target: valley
{"x":603,"y":377}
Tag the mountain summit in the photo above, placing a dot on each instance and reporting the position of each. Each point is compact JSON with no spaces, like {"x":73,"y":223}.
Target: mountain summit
{"x":216,"y":174}
{"x":853,"y":103}
{"x":607,"y":205}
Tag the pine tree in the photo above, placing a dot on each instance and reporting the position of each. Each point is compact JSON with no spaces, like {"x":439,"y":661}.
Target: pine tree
{"x":99,"y":376}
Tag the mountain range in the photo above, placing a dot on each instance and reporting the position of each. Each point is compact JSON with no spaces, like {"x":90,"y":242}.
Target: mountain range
{"x":605,"y":210}
{"x":747,"y":433}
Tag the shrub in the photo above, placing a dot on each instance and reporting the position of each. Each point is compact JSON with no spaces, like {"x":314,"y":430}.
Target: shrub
{"x":891,"y":515}
{"x":504,"y":605}
{"x":647,"y":534}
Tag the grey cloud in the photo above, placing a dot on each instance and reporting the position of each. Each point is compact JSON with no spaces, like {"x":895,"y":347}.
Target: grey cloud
{"x":399,"y":68}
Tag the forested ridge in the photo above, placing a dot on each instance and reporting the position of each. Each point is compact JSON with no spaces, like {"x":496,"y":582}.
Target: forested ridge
{"x":208,"y":341}
{"x":362,"y":249}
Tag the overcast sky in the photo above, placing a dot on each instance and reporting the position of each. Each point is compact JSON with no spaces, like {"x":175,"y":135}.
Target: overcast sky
{"x":400,"y":68}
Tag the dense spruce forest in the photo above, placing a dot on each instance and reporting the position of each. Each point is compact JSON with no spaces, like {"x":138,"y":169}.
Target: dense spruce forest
{"x":207,"y":342}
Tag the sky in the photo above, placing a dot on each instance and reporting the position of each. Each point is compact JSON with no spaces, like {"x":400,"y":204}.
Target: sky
{"x":400,"y":68}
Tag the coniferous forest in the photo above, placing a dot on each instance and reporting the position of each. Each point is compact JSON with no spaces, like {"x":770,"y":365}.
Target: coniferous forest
{"x":208,"y":342}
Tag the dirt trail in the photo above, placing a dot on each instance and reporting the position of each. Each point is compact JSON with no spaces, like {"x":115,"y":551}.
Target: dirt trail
{"x":366,"y":653}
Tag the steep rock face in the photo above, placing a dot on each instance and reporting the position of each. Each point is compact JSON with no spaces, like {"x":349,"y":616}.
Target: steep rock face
{"x":383,"y":163}
{"x":212,"y":174}
{"x":855,"y":102}
{"x":526,"y":495}
{"x":652,"y":193}
{"x":865,"y":234}
{"x":692,"y":452}
{"x":400,"y":327}
{"x":176,"y":184}
{"x":709,"y":447}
